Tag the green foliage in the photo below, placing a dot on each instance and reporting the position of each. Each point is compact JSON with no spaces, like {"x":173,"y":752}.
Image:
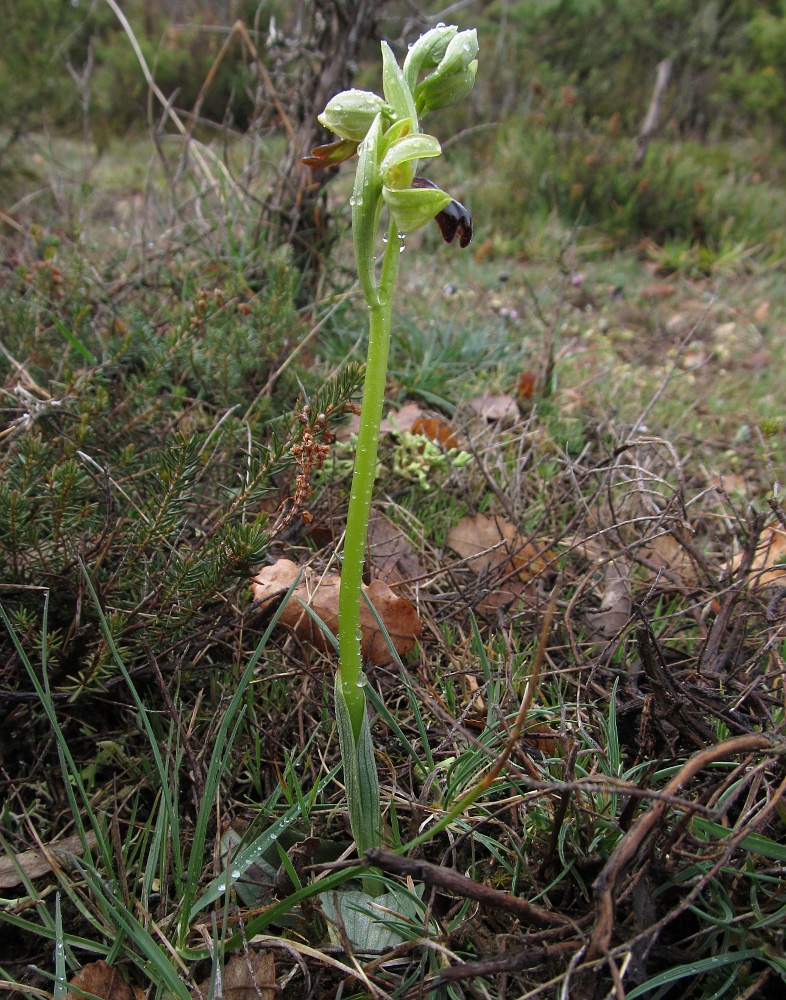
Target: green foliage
{"x":37,"y":43}
{"x":758,"y":77}
{"x":716,"y":196}
{"x":148,"y":467}
{"x":180,"y":58}
{"x":41,"y":42}
{"x":616,"y":72}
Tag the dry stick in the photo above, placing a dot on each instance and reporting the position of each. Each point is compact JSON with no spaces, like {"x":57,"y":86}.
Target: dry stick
{"x":624,"y":852}
{"x":650,"y":124}
{"x":775,"y":507}
{"x":240,"y":27}
{"x":209,"y":79}
{"x":466,"y":888}
{"x":154,"y":86}
{"x":709,"y":654}
{"x":731,"y":844}
{"x":198,"y":787}
{"x":673,"y":372}
{"x":562,"y":806}
{"x":300,"y":346}
{"x":513,"y":961}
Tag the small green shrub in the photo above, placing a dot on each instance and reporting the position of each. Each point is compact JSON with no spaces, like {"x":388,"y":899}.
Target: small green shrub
{"x":140,"y":444}
{"x":714,"y":196}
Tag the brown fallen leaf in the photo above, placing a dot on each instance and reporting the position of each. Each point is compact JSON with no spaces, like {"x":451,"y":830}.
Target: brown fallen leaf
{"x":694,"y":359}
{"x":102,"y":981}
{"x":769,"y":564}
{"x":731,"y":482}
{"x":615,"y":606}
{"x":496,"y":408}
{"x":512,"y":592}
{"x":526,"y":384}
{"x":321,"y":594}
{"x":250,"y":976}
{"x":405,"y":418}
{"x":435,"y":430}
{"x":490,"y":543}
{"x":34,"y":863}
{"x":390,"y":553}
{"x":394,"y":423}
{"x":665,"y":552}
{"x":658,"y":290}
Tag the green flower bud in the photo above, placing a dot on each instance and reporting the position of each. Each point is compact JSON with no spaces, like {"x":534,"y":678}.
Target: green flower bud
{"x":447,"y":90}
{"x":461,"y":51}
{"x":351,"y":113}
{"x":414,"y":207}
{"x":454,"y":77}
{"x":428,"y":52}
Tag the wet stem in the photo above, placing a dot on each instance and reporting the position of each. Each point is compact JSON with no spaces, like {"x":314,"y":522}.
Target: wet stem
{"x":380,"y":309}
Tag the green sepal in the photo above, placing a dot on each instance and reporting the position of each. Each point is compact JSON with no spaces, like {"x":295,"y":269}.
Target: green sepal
{"x":360,"y":774}
{"x":461,"y":51}
{"x":366,"y":205}
{"x":351,"y":113}
{"x":397,"y":131}
{"x":397,"y":93}
{"x":414,"y":207}
{"x":454,"y":77}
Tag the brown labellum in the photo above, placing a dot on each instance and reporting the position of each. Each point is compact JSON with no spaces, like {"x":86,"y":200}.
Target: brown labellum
{"x":454,"y":220}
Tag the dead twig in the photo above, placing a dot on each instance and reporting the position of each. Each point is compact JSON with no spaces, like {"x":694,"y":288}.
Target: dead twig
{"x":460,"y":885}
{"x":631,"y":843}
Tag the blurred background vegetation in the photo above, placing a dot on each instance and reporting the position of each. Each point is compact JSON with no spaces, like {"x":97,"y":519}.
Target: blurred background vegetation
{"x":554,"y":125}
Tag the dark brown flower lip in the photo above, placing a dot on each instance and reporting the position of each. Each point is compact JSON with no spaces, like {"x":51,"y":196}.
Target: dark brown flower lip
{"x":454,"y":220}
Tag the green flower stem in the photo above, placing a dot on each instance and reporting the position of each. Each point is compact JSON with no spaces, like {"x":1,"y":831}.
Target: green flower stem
{"x":380,"y":307}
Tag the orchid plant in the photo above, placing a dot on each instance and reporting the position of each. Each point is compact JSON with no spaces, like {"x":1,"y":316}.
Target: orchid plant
{"x":384,"y":132}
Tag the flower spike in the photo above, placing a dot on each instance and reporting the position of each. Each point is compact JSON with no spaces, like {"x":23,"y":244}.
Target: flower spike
{"x":385,"y":133}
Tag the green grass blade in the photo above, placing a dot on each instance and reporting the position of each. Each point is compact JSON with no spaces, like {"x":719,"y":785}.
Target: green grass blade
{"x":71,"y":338}
{"x":360,"y":774}
{"x":692,"y":969}
{"x":252,"y":852}
{"x":391,"y":722}
{"x":756,"y":843}
{"x":223,"y":745}
{"x":72,"y":775}
{"x":61,"y":978}
{"x":162,"y":770}
{"x":157,"y":965}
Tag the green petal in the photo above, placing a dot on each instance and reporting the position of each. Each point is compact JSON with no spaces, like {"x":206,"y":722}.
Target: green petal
{"x":365,"y":207}
{"x":453,"y":79}
{"x":411,"y":147}
{"x":443,"y":91}
{"x":414,"y":207}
